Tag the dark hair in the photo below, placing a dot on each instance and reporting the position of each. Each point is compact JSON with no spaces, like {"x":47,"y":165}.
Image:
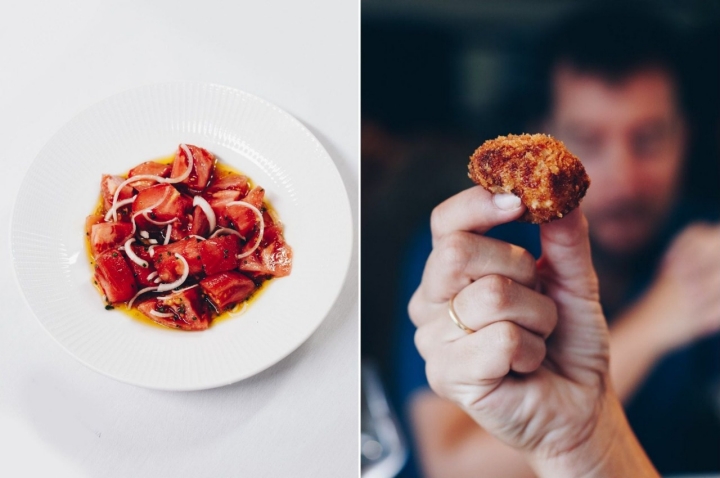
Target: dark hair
{"x":612,"y":41}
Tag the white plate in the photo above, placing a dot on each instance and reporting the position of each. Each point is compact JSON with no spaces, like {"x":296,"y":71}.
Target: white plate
{"x":254,"y":136}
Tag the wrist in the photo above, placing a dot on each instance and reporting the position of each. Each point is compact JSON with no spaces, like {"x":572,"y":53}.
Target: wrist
{"x":646,"y":319}
{"x":611,"y":450}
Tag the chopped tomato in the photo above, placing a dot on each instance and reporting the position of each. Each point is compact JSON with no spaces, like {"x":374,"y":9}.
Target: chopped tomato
{"x":199,"y":224}
{"x":272,"y":233}
{"x":272,"y":261}
{"x":108,"y":186}
{"x":179,"y":229}
{"x":255,"y":197}
{"x":141,"y":273}
{"x":115,"y":276}
{"x":253,"y":265}
{"x":227,"y":288}
{"x":276,"y":255}
{"x":219,"y":254}
{"x":188,"y":309}
{"x":203,"y":164}
{"x":231,"y":181}
{"x":90,"y":221}
{"x":169,"y":267}
{"x":272,"y":258}
{"x":169,"y":204}
{"x":277,"y":258}
{"x":221,"y":198}
{"x":152,"y":168}
{"x":108,"y":235}
{"x":268,"y":219}
{"x":218,"y":201}
{"x":241,"y":218}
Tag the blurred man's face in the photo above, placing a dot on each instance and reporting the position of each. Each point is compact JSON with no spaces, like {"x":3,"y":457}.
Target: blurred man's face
{"x":630,"y":137}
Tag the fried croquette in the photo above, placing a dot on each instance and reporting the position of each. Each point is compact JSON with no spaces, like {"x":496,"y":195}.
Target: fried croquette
{"x":549,"y":180}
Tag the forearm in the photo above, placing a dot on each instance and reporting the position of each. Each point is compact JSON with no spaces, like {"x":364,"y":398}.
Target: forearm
{"x":634,"y":350}
{"x":452,"y":444}
{"x":478,"y":455}
{"x":611,"y":451}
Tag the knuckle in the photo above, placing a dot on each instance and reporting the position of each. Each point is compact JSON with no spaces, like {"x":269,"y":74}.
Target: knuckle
{"x":435,"y":377}
{"x":508,"y":338}
{"x":492,"y":367}
{"x":496,"y":364}
{"x":422,"y":341}
{"x":495,"y":292}
{"x":526,"y":263}
{"x":552,"y":315}
{"x":414,"y":308}
{"x":453,"y":251}
{"x":549,"y":312}
{"x":694,"y":232}
{"x":538,"y":358}
{"x":436,"y":218}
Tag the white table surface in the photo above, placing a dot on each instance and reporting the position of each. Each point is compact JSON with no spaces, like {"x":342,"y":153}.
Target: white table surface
{"x":59,"y":418}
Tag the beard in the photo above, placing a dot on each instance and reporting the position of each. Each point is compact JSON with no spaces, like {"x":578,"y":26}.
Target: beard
{"x":628,"y":211}
{"x":622,"y":230}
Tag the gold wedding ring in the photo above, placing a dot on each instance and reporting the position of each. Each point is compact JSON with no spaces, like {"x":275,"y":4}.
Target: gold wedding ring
{"x":456,"y":319}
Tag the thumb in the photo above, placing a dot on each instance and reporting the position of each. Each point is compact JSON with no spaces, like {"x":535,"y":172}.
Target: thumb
{"x":580,"y":341}
{"x":566,"y":262}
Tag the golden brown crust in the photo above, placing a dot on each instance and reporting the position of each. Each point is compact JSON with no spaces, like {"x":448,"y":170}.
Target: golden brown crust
{"x":549,"y":180}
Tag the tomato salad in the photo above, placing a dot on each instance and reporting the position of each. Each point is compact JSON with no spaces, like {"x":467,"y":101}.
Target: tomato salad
{"x":183,"y":242}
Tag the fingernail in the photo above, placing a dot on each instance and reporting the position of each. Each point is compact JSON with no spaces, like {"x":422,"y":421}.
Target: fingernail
{"x":506,"y":202}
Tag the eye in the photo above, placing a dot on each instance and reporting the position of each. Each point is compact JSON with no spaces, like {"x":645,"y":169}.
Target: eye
{"x":650,"y":141}
{"x":584,"y":145}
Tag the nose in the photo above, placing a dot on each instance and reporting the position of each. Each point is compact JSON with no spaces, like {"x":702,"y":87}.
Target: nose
{"x":623,"y":171}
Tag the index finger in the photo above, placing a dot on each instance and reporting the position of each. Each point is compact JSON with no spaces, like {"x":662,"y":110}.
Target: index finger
{"x":474,"y":210}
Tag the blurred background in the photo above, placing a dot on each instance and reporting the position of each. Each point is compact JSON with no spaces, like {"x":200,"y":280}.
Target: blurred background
{"x":439,"y":77}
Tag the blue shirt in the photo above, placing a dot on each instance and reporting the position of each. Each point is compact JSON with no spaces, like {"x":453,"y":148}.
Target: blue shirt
{"x":676,"y":411}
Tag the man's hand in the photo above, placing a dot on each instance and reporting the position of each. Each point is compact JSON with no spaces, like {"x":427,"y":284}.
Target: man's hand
{"x":535,"y":371}
{"x":683,"y":304}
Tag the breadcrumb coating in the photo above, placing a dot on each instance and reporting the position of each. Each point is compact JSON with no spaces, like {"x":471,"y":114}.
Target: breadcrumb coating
{"x":549,"y":180}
